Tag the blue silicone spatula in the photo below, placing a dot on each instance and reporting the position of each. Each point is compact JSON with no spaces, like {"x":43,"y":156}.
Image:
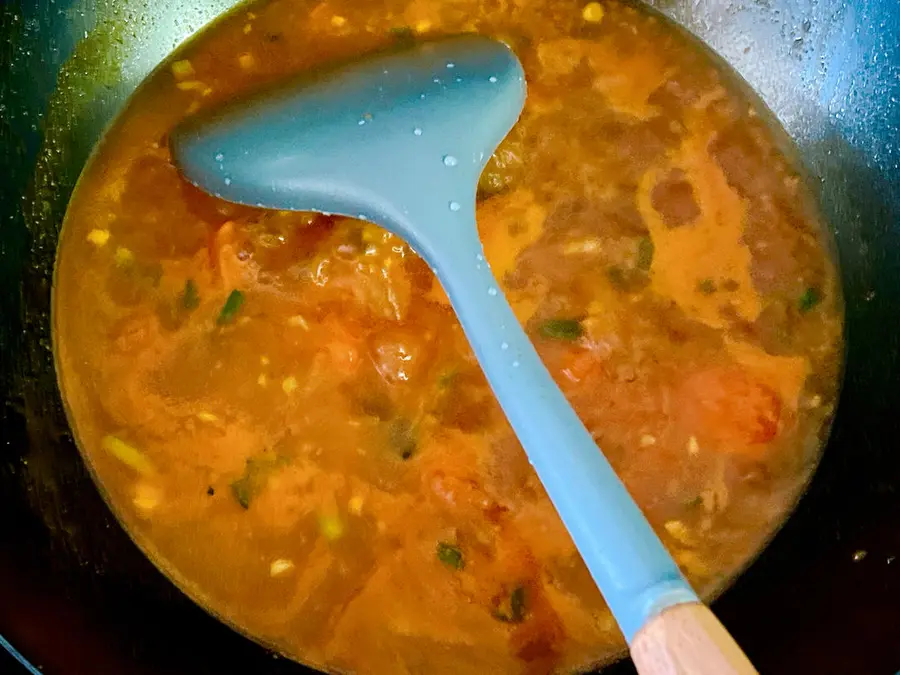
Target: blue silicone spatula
{"x":400,"y":139}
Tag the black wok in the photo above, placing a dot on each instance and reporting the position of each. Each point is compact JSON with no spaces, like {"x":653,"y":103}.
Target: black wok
{"x":76,"y":596}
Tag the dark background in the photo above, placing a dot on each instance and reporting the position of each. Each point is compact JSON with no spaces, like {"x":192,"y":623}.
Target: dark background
{"x":76,"y":596}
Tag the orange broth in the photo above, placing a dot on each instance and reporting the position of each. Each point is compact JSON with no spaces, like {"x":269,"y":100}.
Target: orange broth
{"x":283,"y":411}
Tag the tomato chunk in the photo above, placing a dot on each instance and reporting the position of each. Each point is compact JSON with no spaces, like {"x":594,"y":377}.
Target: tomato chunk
{"x":731,"y":410}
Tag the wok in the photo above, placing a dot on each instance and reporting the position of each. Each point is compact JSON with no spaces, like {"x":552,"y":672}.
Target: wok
{"x":76,"y":596}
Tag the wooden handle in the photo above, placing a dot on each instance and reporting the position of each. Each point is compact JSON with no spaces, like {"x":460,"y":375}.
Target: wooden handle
{"x":688,"y":640}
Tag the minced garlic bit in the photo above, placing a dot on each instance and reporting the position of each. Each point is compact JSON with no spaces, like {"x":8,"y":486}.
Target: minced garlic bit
{"x":373,"y":234}
{"x":422,"y":26}
{"x":195,"y":85}
{"x":593,"y":12}
{"x":262,"y":380}
{"x":98,"y":237}
{"x":247,"y":28}
{"x":647,"y":440}
{"x":331,"y":527}
{"x":289,"y":384}
{"x":679,"y":531}
{"x":338,"y":21}
{"x":280,"y":566}
{"x":710,"y":501}
{"x":207,"y":417}
{"x":123,"y":256}
{"x":264,"y":360}
{"x":182,"y":69}
{"x":128,"y":455}
{"x":246,"y":61}
{"x":693,"y":447}
{"x":590,"y":245}
{"x":298,"y":321}
{"x":355,"y":505}
{"x":146,"y":496}
{"x":691,"y":563}
{"x":191,"y":85}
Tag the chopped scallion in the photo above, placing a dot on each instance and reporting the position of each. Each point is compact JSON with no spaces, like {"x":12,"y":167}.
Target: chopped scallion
{"x":403,"y":35}
{"x":257,"y":470}
{"x":450,"y":555}
{"x":512,"y":609}
{"x":446,"y":379}
{"x":190,"y":298}
{"x":706,"y":286}
{"x":242,"y":489}
{"x":645,"y":253}
{"x":230,"y":308}
{"x":811,"y":297}
{"x":694,"y":502}
{"x":562,"y":329}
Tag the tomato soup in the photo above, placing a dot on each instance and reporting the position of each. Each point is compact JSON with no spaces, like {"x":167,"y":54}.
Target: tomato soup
{"x":282,"y":409}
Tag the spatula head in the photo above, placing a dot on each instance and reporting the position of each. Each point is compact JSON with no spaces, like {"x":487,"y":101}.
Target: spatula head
{"x":392,"y":137}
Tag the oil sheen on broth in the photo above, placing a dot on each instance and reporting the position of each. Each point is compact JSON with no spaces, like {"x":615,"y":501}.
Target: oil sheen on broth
{"x":283,"y":411}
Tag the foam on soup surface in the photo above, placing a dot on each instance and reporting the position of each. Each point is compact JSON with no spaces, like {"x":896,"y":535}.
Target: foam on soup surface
{"x":283,"y":410}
